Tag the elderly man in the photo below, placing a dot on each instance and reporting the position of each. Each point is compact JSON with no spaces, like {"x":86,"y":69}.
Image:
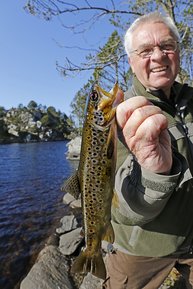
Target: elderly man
{"x":152,"y":211}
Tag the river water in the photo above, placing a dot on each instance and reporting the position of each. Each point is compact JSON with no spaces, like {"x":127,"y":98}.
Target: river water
{"x":30,"y":203}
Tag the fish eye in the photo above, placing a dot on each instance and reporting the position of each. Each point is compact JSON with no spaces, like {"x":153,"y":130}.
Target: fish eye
{"x":94,"y":95}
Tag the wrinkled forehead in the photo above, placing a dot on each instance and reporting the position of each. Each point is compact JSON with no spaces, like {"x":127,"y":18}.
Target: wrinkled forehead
{"x":151,"y":33}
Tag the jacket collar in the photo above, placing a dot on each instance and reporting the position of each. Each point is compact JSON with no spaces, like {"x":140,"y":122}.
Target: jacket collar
{"x":158,"y":95}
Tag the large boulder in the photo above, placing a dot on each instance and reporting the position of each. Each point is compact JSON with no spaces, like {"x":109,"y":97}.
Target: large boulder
{"x":74,"y":147}
{"x":49,"y":272}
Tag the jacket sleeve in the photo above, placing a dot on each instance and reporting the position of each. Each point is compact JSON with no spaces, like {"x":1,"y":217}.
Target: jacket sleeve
{"x":141,"y":195}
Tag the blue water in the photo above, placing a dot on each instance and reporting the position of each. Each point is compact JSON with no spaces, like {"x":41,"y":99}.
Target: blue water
{"x":30,"y":203}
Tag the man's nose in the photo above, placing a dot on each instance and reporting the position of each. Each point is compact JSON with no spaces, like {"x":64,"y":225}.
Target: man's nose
{"x":157,"y":52}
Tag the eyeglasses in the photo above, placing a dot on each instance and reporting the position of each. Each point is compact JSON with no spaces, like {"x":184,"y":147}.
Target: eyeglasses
{"x":146,"y":51}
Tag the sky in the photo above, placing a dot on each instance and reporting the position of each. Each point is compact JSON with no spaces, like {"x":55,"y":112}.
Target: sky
{"x":29,"y":50}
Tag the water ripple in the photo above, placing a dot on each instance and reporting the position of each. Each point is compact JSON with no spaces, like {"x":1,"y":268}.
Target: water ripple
{"x":30,"y":203}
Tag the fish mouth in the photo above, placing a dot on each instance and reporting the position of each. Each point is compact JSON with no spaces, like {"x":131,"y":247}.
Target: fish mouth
{"x":159,"y":69}
{"x":105,"y":106}
{"x":111,"y":98}
{"x":105,"y":110}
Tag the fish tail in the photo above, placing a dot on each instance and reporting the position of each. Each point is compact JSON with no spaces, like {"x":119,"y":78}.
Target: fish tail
{"x":94,"y":264}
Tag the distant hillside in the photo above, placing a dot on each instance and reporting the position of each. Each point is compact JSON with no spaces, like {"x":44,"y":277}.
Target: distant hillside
{"x":33,"y":123}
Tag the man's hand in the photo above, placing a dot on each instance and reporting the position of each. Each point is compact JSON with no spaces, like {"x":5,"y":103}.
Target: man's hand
{"x":144,"y":129}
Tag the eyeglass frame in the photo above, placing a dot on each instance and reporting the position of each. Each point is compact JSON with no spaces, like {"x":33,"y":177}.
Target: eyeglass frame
{"x":160,"y":47}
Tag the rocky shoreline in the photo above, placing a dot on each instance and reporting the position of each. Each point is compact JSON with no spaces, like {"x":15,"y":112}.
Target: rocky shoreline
{"x":52,"y":267}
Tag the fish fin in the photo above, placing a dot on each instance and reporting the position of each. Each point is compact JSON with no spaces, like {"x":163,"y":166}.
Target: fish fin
{"x":94,"y":264}
{"x":72,"y":186}
{"x":109,"y":235}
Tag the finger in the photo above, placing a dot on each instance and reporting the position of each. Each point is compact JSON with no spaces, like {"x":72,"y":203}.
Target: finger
{"x":148,"y":133}
{"x":119,"y":97}
{"x":151,"y":128}
{"x":126,"y":108}
{"x":138,"y":117}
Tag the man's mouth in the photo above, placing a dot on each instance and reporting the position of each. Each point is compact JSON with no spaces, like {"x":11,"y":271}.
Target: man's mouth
{"x":159,"y":69}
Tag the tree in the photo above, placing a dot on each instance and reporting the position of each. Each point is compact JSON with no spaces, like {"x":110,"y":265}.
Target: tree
{"x":111,"y":63}
{"x":2,"y":111}
{"x":20,"y":106}
{"x":120,"y":15}
{"x":78,"y":106}
{"x":32,"y":105}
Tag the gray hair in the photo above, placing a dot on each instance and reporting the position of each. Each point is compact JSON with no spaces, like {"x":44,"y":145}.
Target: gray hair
{"x":155,"y":17}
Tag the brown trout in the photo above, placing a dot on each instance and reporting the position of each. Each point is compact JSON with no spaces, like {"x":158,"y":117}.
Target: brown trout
{"x":94,"y":178}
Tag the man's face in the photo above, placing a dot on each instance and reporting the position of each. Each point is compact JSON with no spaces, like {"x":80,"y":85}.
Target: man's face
{"x":160,"y":69}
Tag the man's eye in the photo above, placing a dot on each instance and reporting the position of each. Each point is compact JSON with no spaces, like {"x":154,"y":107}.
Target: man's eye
{"x":168,"y":47}
{"x":145,"y":51}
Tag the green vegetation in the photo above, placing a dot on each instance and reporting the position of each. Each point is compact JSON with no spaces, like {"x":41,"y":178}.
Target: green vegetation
{"x":33,"y":123}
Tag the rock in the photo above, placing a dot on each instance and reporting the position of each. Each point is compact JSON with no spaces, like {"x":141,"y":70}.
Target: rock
{"x":69,"y":223}
{"x":68,"y":199}
{"x":69,"y":242}
{"x":49,"y":272}
{"x":74,"y":147}
{"x":12,"y":129}
{"x":76,"y":204}
{"x":91,"y":282}
{"x":53,"y":240}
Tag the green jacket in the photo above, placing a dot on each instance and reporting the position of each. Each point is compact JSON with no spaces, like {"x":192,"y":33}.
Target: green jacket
{"x":152,"y":214}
